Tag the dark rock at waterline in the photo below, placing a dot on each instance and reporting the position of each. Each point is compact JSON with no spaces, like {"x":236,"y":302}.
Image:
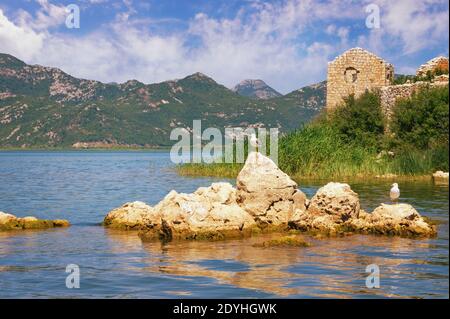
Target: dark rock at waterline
{"x":11,"y":222}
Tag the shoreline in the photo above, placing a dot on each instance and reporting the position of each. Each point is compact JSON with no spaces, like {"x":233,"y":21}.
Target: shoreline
{"x":183,"y":171}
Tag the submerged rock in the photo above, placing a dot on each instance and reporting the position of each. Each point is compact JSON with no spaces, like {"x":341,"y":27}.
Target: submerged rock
{"x":285,"y":241}
{"x":265,"y":191}
{"x":11,"y":222}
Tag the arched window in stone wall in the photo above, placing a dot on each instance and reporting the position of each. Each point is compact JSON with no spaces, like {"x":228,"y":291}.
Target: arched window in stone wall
{"x":351,"y":75}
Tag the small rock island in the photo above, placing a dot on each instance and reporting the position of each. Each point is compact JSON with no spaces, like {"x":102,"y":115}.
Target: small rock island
{"x":11,"y":222}
{"x":265,"y":200}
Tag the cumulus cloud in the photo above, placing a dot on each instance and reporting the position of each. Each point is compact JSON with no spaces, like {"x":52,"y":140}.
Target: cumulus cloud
{"x":285,"y":43}
{"x":410,"y":25}
{"x":47,"y":16}
{"x":19,"y":41}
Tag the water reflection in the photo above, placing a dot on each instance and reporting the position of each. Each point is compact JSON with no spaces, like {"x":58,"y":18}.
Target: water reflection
{"x":332,"y":267}
{"x":83,"y":186}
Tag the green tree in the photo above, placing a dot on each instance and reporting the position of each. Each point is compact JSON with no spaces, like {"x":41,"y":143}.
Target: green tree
{"x":360,"y":120}
{"x":422,"y":121}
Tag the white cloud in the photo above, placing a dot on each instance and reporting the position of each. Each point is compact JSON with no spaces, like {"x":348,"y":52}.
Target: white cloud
{"x":288,"y":45}
{"x":47,"y":16}
{"x":22,"y":42}
{"x":415,"y":24}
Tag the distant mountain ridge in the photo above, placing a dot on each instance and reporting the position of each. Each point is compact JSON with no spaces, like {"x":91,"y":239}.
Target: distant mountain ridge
{"x":43,"y":107}
{"x":257,"y":89}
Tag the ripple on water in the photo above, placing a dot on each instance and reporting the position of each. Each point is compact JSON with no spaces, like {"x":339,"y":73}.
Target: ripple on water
{"x":83,"y":186}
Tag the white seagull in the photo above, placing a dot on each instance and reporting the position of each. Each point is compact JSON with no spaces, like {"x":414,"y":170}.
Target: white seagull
{"x":395,"y":192}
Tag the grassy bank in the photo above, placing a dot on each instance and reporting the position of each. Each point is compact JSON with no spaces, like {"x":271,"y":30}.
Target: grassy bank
{"x":351,"y":142}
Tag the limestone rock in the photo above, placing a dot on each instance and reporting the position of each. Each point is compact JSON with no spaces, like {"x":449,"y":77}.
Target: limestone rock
{"x":440,"y":177}
{"x":301,"y":202}
{"x":328,"y":211}
{"x":4,"y":217}
{"x":11,"y":222}
{"x":265,"y":191}
{"x":398,"y":219}
{"x":208,"y":213}
{"x":265,"y":199}
{"x":335,"y":209}
{"x":395,"y":212}
{"x":130,"y":216}
{"x":335,"y":200}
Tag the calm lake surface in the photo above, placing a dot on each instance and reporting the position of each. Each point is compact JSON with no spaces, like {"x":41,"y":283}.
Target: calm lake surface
{"x":84,"y":186}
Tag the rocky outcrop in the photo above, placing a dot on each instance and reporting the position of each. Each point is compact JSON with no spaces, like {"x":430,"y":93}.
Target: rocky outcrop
{"x":440,"y":177}
{"x":208,"y":213}
{"x":335,"y":209}
{"x":335,"y":200}
{"x":265,"y":192}
{"x":128,"y":216}
{"x":398,"y":219}
{"x":11,"y":222}
{"x":265,"y":200}
{"x":329,"y":209}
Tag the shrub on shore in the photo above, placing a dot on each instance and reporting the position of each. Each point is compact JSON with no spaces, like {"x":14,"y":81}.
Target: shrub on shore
{"x":350,"y":142}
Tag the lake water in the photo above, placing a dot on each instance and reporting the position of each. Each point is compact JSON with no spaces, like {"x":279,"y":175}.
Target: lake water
{"x":83,"y":186}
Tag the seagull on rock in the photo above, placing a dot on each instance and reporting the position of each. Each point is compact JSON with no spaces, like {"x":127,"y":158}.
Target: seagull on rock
{"x":395,"y":192}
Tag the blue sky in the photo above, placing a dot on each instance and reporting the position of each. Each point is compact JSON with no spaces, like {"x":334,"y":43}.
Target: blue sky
{"x":287,"y":43}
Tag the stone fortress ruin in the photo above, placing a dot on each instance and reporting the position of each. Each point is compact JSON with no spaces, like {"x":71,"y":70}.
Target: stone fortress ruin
{"x":357,"y":71}
{"x":354,"y":72}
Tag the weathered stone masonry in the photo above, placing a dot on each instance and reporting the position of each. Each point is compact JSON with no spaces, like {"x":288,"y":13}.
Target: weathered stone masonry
{"x":357,"y":71}
{"x":354,"y":72}
{"x":389,"y":95}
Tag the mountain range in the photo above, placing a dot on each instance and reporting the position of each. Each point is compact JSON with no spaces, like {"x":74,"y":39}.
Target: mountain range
{"x":44,"y":107}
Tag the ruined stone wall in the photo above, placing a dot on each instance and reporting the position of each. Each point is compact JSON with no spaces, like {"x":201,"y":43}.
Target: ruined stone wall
{"x":389,"y":95}
{"x":434,"y":65}
{"x":354,"y":72}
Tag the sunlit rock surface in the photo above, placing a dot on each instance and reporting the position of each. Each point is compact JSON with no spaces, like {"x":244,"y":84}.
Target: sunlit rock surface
{"x":129,"y":216}
{"x":265,"y":200}
{"x":265,"y":191}
{"x":11,"y":222}
{"x":440,"y":177}
{"x":208,"y":213}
